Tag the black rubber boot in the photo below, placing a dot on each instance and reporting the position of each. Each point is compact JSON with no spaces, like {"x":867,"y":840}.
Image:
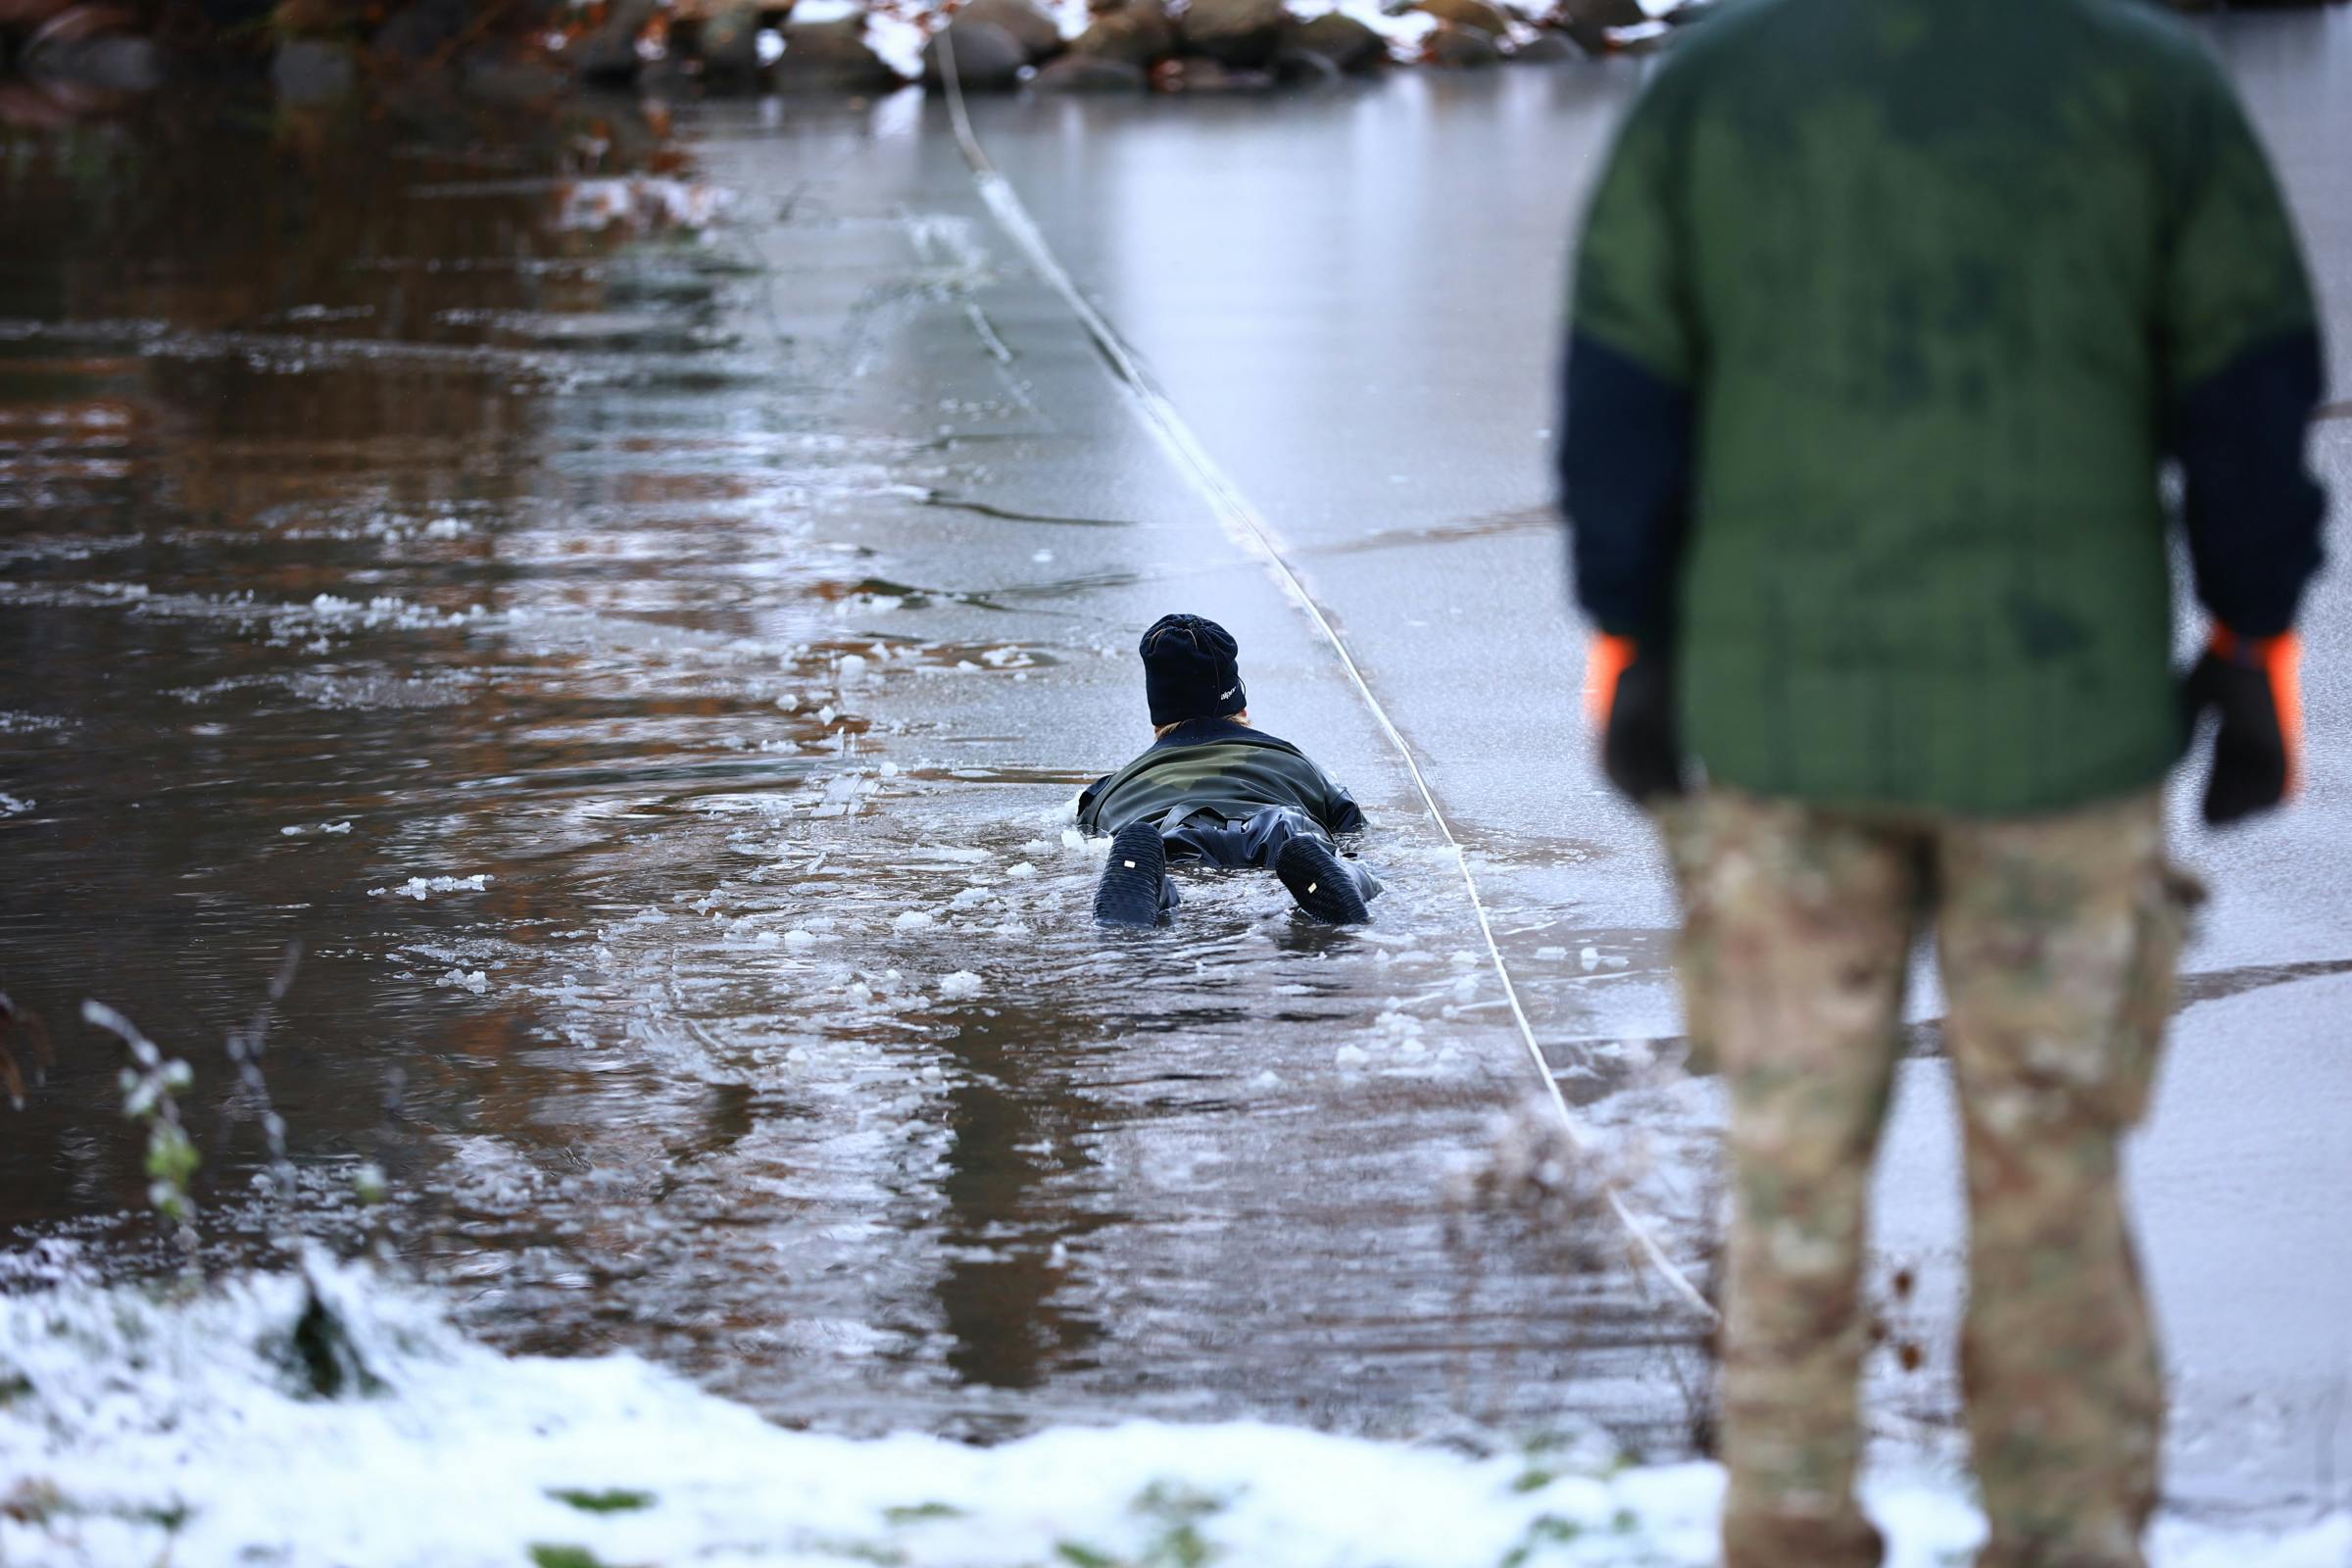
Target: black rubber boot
{"x":1323,"y":884}
{"x":1128,"y":894}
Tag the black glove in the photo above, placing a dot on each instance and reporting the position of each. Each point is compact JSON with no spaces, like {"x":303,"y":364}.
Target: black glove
{"x":1633,"y":700}
{"x":2255,"y":685}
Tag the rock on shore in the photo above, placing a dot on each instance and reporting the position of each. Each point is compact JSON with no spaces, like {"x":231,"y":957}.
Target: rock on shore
{"x":831,"y":56}
{"x":319,"y":51}
{"x":1341,"y":39}
{"x":1241,"y":33}
{"x":987,"y":58}
{"x":1136,"y":33}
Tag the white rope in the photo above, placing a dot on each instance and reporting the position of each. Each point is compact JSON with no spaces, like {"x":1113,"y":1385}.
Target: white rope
{"x":1242,"y":523}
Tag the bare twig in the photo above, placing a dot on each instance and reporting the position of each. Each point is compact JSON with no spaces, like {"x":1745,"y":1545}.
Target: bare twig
{"x":151,"y":1087}
{"x":25,"y":1023}
{"x":245,"y":1049}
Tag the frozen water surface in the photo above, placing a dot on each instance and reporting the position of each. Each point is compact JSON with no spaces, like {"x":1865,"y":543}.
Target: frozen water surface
{"x":642,"y":641}
{"x":639,"y":629}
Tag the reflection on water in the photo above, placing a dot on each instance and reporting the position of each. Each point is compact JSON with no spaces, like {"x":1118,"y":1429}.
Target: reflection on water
{"x":577,"y":614}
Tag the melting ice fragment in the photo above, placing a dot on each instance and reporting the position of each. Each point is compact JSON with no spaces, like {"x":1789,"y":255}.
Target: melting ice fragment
{"x":420,"y":888}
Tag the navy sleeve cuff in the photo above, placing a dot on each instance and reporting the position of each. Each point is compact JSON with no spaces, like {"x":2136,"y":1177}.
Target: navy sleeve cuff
{"x":2252,"y":510}
{"x":1624,"y":455}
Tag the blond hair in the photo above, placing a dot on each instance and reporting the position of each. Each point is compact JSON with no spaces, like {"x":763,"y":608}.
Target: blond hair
{"x":1160,"y":730}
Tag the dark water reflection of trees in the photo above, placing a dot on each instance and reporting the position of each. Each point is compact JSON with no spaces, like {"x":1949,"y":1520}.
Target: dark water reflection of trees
{"x":231,"y":334}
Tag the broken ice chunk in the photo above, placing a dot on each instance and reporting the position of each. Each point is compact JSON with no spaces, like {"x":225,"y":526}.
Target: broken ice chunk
{"x":419,"y":887}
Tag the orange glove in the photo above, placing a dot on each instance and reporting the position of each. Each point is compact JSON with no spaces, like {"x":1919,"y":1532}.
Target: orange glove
{"x":1605,"y":665}
{"x":1629,"y":696}
{"x":2255,"y":684}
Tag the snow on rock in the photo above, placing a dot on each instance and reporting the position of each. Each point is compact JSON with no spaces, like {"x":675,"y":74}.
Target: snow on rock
{"x":459,"y":979}
{"x":144,"y":1425}
{"x":961,"y":986}
{"x":1404,"y":31}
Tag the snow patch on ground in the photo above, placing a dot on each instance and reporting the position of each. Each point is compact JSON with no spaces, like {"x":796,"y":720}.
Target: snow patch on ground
{"x":140,"y":1422}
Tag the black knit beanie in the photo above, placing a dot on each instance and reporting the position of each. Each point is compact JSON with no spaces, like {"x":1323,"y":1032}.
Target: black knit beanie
{"x":1190,"y":670}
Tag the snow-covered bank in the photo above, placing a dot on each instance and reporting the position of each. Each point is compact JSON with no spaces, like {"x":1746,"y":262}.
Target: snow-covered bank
{"x":128,"y":1425}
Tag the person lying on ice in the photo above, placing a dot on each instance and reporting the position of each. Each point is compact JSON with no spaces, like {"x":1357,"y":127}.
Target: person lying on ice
{"x":1215,"y":788}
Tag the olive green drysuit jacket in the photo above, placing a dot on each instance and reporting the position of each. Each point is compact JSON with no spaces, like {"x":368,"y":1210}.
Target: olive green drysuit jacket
{"x":1887,"y":317}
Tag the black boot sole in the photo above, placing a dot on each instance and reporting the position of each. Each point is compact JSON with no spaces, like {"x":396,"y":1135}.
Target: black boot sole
{"x":1323,"y":886}
{"x":1129,"y":893}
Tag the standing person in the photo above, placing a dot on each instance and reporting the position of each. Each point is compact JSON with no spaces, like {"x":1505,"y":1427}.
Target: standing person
{"x":1886,"y":314}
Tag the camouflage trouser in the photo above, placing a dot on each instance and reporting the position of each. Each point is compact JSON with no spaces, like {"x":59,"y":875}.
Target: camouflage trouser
{"x":2058,"y":939}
